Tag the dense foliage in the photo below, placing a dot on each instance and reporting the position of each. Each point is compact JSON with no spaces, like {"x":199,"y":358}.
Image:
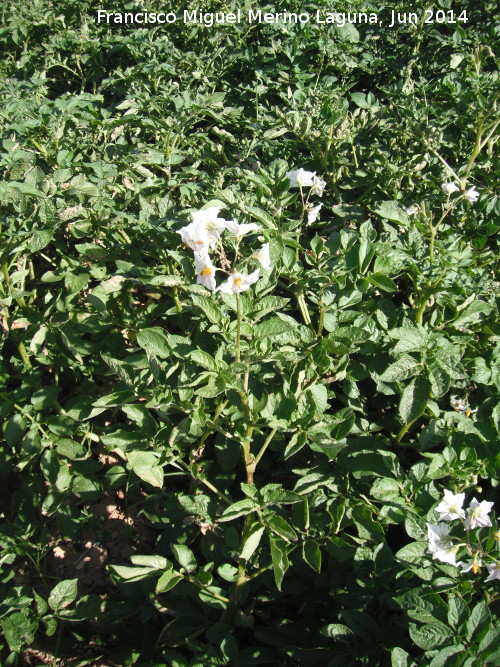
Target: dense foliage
{"x":253,"y":475}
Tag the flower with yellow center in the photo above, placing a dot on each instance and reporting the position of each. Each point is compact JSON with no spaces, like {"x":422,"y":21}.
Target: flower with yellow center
{"x":239,"y":282}
{"x":205,"y":230}
{"x":205,"y":270}
{"x":263,"y":257}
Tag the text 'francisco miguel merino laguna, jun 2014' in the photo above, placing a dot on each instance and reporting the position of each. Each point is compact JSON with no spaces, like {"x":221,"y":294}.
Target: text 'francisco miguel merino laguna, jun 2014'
{"x":209,"y":19}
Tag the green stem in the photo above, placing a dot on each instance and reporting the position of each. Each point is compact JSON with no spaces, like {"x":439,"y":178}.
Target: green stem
{"x":301,"y":301}
{"x":238,"y":328}
{"x":264,"y":447}
{"x":24,"y":354}
{"x":242,"y":575}
{"x":475,"y":152}
{"x":192,"y":580}
{"x":433,"y":230}
{"x":178,"y":305}
{"x":403,"y":430}
{"x":206,"y":483}
{"x":220,"y":407}
{"x":247,"y":454}
{"x":321,"y":322}
{"x":420,"y":311}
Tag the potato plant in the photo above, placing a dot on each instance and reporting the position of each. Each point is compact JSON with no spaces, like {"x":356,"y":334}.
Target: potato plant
{"x":250,"y":352}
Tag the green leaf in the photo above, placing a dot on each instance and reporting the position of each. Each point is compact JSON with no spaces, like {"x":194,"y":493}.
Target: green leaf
{"x":40,"y":240}
{"x":337,"y":631}
{"x":430,"y":636}
{"x":319,"y":396}
{"x":362,"y":625}
{"x":19,"y":629}
{"x":167,"y":581}
{"x":63,"y":594}
{"x":479,"y":622}
{"x":402,"y":369}
{"x":274,"y":326}
{"x":411,"y":339}
{"x":158,"y":562}
{"x":131,"y":574}
{"x":311,"y":553}
{"x":458,"y":611}
{"x":204,"y":360}
{"x":383,"y":282}
{"x":489,"y":647}
{"x":399,"y":657}
{"x":414,"y":399}
{"x":440,"y":381}
{"x":281,"y":527}
{"x":228,"y":572}
{"x":385,"y":489}
{"x":185,"y":557}
{"x":274,"y":494}
{"x":295,"y":444}
{"x":252,"y":541}
{"x":390,"y":210}
{"x":241,"y":508}
{"x":440,"y":659}
{"x":476,"y":312}
{"x":210,"y":308}
{"x":412,"y":553}
{"x":154,"y":341}
{"x":279,"y":558}
{"x":71,"y":449}
{"x":145,"y":465}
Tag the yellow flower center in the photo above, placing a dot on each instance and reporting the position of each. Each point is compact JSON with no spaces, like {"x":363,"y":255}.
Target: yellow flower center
{"x":476,"y":568}
{"x":238,"y":283}
{"x":207,"y":271}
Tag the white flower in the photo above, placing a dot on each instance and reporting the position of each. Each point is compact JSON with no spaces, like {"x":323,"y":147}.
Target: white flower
{"x":205,"y":230}
{"x":451,"y":506}
{"x":471,"y":195}
{"x":449,"y":188}
{"x":458,"y":404}
{"x":494,"y":570}
{"x":440,"y":545}
{"x":473,"y":565}
{"x":477,"y":514}
{"x":412,"y":210}
{"x":205,"y":270}
{"x":318,"y":185}
{"x":313,"y":213}
{"x":263,"y":257}
{"x":239,"y":230}
{"x":239,"y":282}
{"x":461,"y":405}
{"x":301,"y":178}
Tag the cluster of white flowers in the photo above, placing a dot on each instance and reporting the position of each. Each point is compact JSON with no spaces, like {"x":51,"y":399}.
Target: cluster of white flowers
{"x":441,"y":544}
{"x":203,"y":234}
{"x":449,"y":188}
{"x":300,"y":178}
{"x":462,"y":405}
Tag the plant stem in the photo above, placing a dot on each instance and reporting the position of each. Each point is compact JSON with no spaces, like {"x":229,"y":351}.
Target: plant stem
{"x":247,"y":454}
{"x":238,"y":328}
{"x":208,"y":484}
{"x":403,"y":430}
{"x":321,"y":321}
{"x":475,"y":152}
{"x":420,"y":311}
{"x":24,"y":354}
{"x":220,"y":407}
{"x":264,"y":447}
{"x":301,"y":301}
